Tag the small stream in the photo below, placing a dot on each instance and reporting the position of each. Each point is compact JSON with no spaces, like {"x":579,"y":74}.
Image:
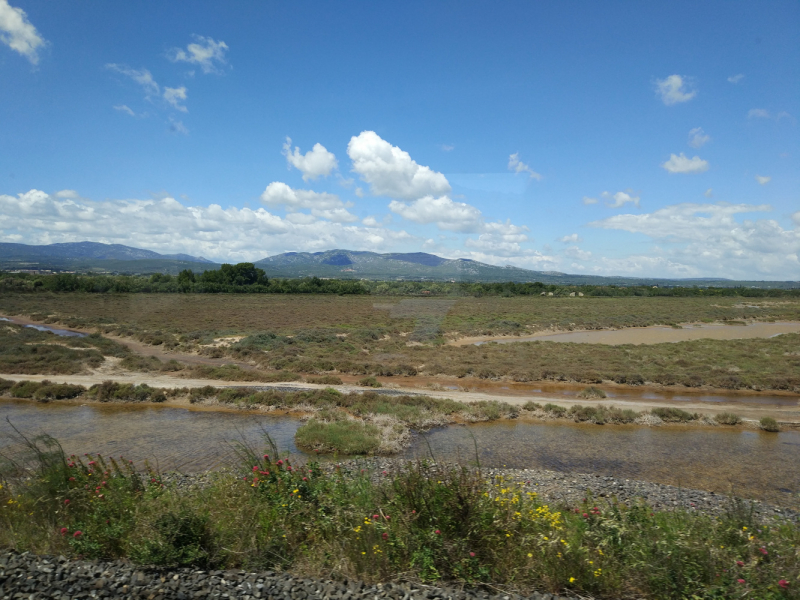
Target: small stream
{"x":750,"y":463}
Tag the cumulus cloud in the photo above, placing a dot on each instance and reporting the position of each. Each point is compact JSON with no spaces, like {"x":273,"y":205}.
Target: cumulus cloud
{"x":174,"y":97}
{"x":674,"y":90}
{"x":125,"y":108}
{"x":758,"y":113}
{"x":227,"y":234}
{"x":576,"y":253}
{"x":735,"y":78}
{"x":447,"y":214}
{"x":322,"y":205}
{"x":620,"y":199}
{"x":698,"y":137}
{"x":516,"y":165}
{"x":682,"y":164}
{"x":141,"y":76}
{"x":707,"y":239}
{"x":205,"y":52}
{"x":796,"y":218}
{"x":763,"y":180}
{"x":572,"y":238}
{"x":587,"y":200}
{"x":314,"y":163}
{"x":390,"y":171}
{"x":18,"y":33}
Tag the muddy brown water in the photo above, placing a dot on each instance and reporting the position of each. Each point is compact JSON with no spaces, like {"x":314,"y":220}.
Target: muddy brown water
{"x":649,"y":335}
{"x":749,"y":463}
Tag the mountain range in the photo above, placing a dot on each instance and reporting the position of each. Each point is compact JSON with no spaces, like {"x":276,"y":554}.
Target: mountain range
{"x":342,"y":264}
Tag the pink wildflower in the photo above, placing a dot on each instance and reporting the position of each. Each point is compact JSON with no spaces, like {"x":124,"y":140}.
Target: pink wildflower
{"x":739,"y":563}
{"x":437,"y":532}
{"x":64,"y":531}
{"x":77,"y":534}
{"x":763,"y":551}
{"x":740,"y":581}
{"x":385,"y":535}
{"x":783,"y":583}
{"x":66,"y":501}
{"x":376,"y":517}
{"x":472,"y":555}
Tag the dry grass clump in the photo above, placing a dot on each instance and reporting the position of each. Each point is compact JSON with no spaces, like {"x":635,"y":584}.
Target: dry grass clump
{"x":674,"y":415}
{"x":324,"y":379}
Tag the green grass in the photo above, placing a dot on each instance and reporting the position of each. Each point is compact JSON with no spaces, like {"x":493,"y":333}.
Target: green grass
{"x":447,"y":525}
{"x":728,"y":418}
{"x":344,"y":437}
{"x":769,"y":424}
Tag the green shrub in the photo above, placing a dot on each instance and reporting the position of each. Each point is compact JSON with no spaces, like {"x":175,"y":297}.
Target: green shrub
{"x":325,"y":380}
{"x":591,"y":392}
{"x":345,"y":437}
{"x":555,"y":409}
{"x":531,"y":405}
{"x":769,"y":424}
{"x":26,"y":389}
{"x":370,"y":382}
{"x":728,"y":418}
{"x":177,"y":539}
{"x":57,"y":391}
{"x":674,"y":415}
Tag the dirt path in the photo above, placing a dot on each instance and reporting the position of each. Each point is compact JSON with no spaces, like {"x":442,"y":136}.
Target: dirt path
{"x":785,"y":414}
{"x":646,"y":335}
{"x":145,"y":349}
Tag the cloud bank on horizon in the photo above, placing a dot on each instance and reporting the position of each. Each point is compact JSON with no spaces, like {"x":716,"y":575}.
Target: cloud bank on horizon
{"x":187,"y":149}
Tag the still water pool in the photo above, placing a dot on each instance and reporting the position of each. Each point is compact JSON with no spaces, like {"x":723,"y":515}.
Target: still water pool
{"x":750,"y":463}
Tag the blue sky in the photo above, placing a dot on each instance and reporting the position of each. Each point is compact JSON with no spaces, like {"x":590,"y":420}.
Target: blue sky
{"x":614,"y":138}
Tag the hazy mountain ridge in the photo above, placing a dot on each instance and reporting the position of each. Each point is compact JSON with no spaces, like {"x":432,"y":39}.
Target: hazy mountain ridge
{"x":339,"y":264}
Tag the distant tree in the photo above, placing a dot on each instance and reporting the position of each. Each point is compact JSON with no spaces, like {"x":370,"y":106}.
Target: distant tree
{"x":186,"y":276}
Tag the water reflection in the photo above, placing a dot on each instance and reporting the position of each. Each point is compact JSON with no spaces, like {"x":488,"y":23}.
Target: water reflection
{"x":173,"y":438}
{"x":749,"y":463}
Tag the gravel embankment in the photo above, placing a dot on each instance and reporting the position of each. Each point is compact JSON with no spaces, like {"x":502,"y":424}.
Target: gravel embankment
{"x":38,"y":577}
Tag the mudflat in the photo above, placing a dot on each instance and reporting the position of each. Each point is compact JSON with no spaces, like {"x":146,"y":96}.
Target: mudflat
{"x":647,"y":335}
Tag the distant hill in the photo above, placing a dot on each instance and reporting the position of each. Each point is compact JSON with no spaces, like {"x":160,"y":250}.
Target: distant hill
{"x":94,"y":256}
{"x":416,"y":266}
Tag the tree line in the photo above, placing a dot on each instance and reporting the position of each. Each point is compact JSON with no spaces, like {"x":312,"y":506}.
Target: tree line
{"x":246,"y":278}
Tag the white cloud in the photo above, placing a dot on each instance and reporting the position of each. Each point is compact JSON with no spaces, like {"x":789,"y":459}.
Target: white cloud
{"x":446,"y":147}
{"x":706,"y":239}
{"x":698,"y":137}
{"x":758,"y":113}
{"x":447,"y":214}
{"x":370,"y":221}
{"x":735,"y":78}
{"x":322,"y":205}
{"x":708,"y":193}
{"x":176,"y":126}
{"x":620,"y":199}
{"x":228,"y":234}
{"x":390,"y":171}
{"x":763,"y":180}
{"x":516,"y":165}
{"x":682,"y":164}
{"x":141,"y":76}
{"x":573,"y":238}
{"x":72,"y":194}
{"x":796,"y":218}
{"x":674,"y":90}
{"x":587,"y":200}
{"x":206,"y":53}
{"x":576,"y":253}
{"x":126,"y":109}
{"x":314,"y":163}
{"x":174,"y":97}
{"x":17,"y":33}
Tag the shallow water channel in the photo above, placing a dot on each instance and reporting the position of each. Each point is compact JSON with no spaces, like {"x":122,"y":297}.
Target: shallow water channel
{"x":750,"y":463}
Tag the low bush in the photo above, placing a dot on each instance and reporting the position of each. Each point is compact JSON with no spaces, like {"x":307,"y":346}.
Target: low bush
{"x":555,"y":409}
{"x":674,"y":415}
{"x":343,"y":437}
{"x":769,"y":424}
{"x":530,"y":405}
{"x":591,"y":392}
{"x":728,"y":418}
{"x":370,"y":382}
{"x":111,"y":391}
{"x":324,"y":380}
